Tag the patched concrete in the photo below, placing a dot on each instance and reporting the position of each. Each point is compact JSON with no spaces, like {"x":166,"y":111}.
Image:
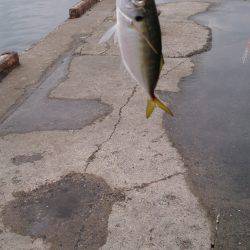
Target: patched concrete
{"x":174,"y":70}
{"x":41,"y":113}
{"x":176,"y":34}
{"x":182,"y":10}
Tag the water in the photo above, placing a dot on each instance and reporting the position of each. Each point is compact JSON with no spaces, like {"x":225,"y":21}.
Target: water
{"x":211,"y":128}
{"x":24,"y":22}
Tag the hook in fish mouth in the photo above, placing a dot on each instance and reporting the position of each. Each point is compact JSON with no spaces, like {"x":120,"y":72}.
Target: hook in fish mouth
{"x":139,"y":3}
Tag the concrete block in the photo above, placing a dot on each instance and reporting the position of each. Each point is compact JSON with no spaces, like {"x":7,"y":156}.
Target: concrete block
{"x":80,"y":8}
{"x":8,"y":61}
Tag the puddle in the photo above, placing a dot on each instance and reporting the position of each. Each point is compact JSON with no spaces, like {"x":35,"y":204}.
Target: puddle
{"x":71,"y":213}
{"x":211,"y":124}
{"x":41,"y":113}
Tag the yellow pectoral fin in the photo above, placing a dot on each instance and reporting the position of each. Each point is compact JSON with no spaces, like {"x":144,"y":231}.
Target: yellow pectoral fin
{"x":156,"y":102}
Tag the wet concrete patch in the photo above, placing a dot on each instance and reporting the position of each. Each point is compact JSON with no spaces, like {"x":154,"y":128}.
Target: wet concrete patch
{"x":71,"y":213}
{"x":211,"y":124}
{"x":39,"y":112}
{"x":55,"y":114}
{"x":22,"y":159}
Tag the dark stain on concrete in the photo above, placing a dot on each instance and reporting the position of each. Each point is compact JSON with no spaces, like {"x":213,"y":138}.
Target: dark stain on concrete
{"x":39,"y":112}
{"x":71,"y":213}
{"x":21,"y":159}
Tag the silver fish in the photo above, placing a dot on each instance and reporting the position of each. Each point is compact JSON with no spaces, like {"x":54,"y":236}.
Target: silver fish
{"x":139,"y":39}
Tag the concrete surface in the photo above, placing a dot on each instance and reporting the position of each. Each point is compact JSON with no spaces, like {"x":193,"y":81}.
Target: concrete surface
{"x":119,"y":149}
{"x":39,"y":112}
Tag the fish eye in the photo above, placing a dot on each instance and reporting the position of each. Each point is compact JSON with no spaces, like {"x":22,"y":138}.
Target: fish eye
{"x":139,"y":18}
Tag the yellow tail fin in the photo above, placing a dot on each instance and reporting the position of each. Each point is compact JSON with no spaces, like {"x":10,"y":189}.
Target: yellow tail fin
{"x":152,"y":103}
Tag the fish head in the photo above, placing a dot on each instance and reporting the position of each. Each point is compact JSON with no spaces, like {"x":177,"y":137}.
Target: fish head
{"x":138,"y":3}
{"x":134,"y":9}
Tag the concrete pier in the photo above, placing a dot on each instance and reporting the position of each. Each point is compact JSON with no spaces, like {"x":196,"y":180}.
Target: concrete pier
{"x":81,"y":166}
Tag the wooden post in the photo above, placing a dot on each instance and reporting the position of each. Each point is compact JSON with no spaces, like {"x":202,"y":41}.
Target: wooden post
{"x":8,"y":61}
{"x":80,"y":8}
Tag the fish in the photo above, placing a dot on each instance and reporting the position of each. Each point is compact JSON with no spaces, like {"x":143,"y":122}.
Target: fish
{"x":138,"y":35}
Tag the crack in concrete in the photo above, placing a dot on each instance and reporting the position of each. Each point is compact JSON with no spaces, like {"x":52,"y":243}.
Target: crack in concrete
{"x":176,"y":66}
{"x":120,"y":112}
{"x":92,"y":157}
{"x":147,"y":184}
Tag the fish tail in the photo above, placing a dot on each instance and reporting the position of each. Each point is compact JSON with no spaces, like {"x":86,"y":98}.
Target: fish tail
{"x":152,"y":103}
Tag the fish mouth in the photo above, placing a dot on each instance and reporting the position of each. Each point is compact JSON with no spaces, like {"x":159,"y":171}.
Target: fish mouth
{"x":139,"y":3}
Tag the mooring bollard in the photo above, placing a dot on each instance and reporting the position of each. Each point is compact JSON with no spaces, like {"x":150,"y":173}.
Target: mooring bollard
{"x":80,"y":8}
{"x":8,"y":61}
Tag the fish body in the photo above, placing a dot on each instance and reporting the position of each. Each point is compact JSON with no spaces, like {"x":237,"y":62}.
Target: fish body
{"x":139,"y":38}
